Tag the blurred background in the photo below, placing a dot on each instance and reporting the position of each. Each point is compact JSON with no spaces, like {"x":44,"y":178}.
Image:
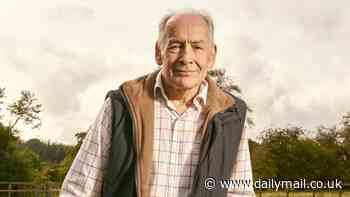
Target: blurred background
{"x":289,"y":60}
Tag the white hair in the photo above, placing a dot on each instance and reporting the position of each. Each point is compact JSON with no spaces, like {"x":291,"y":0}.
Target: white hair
{"x":204,"y":14}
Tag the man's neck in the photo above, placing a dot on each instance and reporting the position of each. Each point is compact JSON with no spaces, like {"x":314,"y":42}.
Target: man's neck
{"x":182,"y":99}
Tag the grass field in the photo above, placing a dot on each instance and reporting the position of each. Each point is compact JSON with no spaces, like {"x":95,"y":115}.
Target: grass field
{"x":304,"y":194}
{"x":264,"y":194}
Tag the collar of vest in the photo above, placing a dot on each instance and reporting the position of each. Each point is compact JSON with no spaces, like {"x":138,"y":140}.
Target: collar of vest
{"x":140,"y":96}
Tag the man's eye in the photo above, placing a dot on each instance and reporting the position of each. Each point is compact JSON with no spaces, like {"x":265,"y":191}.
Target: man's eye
{"x":198,"y":47}
{"x":174,"y":47}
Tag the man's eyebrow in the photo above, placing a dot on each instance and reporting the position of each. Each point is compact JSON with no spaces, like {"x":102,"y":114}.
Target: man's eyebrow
{"x":182,"y":41}
{"x":175,"y":41}
{"x":197,"y":42}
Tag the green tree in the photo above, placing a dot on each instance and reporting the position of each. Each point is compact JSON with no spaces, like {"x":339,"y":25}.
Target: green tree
{"x":18,"y":163}
{"x":5,"y":138}
{"x":26,"y":109}
{"x":2,"y":96}
{"x":328,"y":137}
{"x":262,"y":163}
{"x":287,"y":153}
{"x":335,"y":144}
{"x":48,"y":152}
{"x":223,"y":81}
{"x":345,"y":135}
{"x":48,"y":173}
{"x":227,"y":83}
{"x":70,"y":155}
{"x":21,"y":164}
{"x":345,"y":145}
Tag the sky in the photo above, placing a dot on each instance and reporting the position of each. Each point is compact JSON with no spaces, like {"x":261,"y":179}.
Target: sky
{"x":290,"y":59}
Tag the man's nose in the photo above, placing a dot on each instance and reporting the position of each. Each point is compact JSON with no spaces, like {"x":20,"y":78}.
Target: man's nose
{"x":187,"y":54}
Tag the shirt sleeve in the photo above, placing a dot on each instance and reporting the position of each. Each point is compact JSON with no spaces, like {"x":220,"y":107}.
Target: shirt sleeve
{"x":85,"y":175}
{"x":242,"y":176}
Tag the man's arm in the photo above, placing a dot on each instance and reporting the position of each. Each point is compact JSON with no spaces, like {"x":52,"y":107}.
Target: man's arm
{"x":85,"y":175}
{"x":242,"y":171}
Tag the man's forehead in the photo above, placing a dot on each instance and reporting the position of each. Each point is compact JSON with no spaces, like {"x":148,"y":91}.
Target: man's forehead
{"x":186,"y":19}
{"x":176,"y":40}
{"x":186,"y":23}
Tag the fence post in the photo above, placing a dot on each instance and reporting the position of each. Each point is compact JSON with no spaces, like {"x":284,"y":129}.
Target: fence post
{"x":47,"y":193}
{"x":36,"y":192}
{"x":9,"y":188}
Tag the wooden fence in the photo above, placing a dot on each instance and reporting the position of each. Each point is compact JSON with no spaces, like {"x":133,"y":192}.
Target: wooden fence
{"x":303,"y":194}
{"x":28,"y":189}
{"x":344,"y":192}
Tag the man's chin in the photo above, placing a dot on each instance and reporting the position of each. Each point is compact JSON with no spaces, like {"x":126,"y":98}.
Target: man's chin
{"x":186,"y":85}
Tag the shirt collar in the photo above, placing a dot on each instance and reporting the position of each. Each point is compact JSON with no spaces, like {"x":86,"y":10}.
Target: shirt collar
{"x":199,"y":101}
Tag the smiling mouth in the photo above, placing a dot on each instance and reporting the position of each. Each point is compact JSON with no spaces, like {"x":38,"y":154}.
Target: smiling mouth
{"x":183,"y":72}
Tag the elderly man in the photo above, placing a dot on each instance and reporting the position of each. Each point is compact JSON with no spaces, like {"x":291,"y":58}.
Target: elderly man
{"x":170,"y":133}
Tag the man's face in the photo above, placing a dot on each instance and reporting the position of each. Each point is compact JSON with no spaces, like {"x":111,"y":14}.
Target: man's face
{"x":187,"y":52}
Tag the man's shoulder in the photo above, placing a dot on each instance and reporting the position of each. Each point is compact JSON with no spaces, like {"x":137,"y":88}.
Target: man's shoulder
{"x":132,"y":87}
{"x":240,"y":105}
{"x":239,"y":102}
{"x":141,"y":79}
{"x":140,"y":87}
{"x":116,"y":97}
{"x":113,"y":94}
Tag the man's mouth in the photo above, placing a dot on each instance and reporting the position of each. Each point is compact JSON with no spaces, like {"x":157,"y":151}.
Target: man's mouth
{"x":184,"y":72}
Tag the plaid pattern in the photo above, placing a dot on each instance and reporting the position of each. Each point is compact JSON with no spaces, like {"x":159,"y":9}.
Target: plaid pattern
{"x":176,"y":144}
{"x":84,"y":177}
{"x":175,"y":156}
{"x":242,"y":170}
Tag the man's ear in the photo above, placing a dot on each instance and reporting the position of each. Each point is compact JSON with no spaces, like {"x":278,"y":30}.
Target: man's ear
{"x":158,"y":54}
{"x":212,"y":56}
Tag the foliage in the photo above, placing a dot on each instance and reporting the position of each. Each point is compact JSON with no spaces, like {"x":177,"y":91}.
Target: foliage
{"x":68,"y":160}
{"x":24,"y":164}
{"x":5,"y":138}
{"x":20,"y":164}
{"x":2,"y":96}
{"x":263,"y":165}
{"x":224,"y":81}
{"x":48,"y":173}
{"x":345,"y":135}
{"x":79,"y":137}
{"x":286,"y":153}
{"x":345,"y":145}
{"x":48,"y":152}
{"x":26,"y":109}
{"x":56,"y":159}
{"x":281,"y":153}
{"x":227,"y":84}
